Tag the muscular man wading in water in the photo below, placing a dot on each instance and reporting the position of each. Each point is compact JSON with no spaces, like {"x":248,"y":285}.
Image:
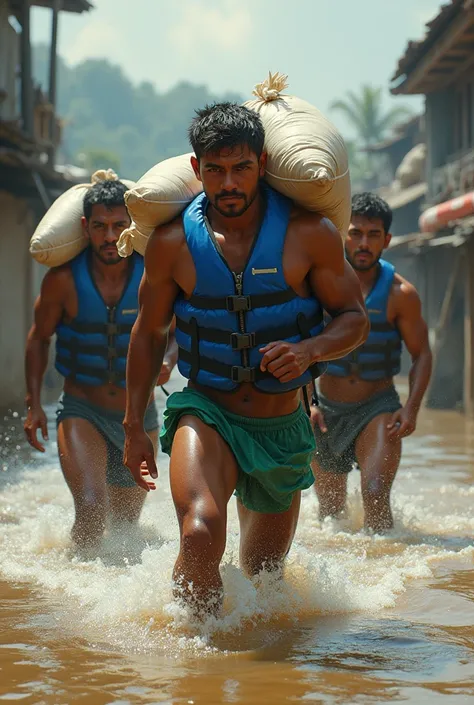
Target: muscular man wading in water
{"x":359,"y":418}
{"x":91,"y":304}
{"x":247,"y":275}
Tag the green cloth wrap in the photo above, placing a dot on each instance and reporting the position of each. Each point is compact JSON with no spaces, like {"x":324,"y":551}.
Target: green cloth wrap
{"x":273,"y":455}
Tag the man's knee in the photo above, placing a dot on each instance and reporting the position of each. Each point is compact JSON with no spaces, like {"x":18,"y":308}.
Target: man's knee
{"x":203,"y":535}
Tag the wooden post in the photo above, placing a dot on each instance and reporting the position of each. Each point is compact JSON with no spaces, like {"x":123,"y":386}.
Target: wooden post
{"x":469,"y":330}
{"x":52,"y":79}
{"x":444,"y":314}
{"x":26,"y":71}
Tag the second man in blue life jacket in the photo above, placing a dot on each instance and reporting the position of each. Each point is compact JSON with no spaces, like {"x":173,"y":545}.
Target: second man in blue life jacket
{"x":359,"y":419}
{"x":91,"y":303}
{"x":248,"y":276}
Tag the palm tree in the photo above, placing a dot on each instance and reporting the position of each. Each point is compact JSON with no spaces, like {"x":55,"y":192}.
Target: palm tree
{"x":366,"y":114}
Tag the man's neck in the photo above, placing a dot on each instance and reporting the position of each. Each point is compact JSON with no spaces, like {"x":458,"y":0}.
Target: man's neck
{"x":241,"y":226}
{"x":112,"y":273}
{"x":368,"y":277}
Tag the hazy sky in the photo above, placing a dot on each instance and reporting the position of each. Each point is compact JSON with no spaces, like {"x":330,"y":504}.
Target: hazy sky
{"x":326,"y":47}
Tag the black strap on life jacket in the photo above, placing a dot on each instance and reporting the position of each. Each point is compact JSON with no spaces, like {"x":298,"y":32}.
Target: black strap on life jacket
{"x":242,"y":341}
{"x":236,"y":303}
{"x":354,"y":365}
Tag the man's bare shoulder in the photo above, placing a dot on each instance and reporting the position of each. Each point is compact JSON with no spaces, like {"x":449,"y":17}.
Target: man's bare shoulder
{"x":404,"y":294}
{"x":167,"y":237}
{"x":317,"y":234}
{"x":165,"y":247}
{"x":58,"y":282}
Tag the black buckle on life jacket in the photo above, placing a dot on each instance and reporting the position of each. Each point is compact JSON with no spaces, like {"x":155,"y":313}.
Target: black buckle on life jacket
{"x":354,"y":369}
{"x":242,"y":374}
{"x":242,"y":341}
{"x":236,"y":303}
{"x":112,"y":377}
{"x":112,"y":329}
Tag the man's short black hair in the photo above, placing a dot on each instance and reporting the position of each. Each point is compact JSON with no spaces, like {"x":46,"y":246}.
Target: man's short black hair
{"x":225,"y":125}
{"x":104,"y":193}
{"x":372,"y":206}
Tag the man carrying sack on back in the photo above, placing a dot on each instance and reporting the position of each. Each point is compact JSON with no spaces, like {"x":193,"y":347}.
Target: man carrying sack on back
{"x":247,"y":275}
{"x":91,"y":303}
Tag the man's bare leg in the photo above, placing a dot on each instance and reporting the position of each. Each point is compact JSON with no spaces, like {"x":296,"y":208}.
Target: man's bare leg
{"x":378,"y":458}
{"x":265,"y":539}
{"x":83,"y":458}
{"x":126,"y":503}
{"x":331,"y":490}
{"x":203,"y":475}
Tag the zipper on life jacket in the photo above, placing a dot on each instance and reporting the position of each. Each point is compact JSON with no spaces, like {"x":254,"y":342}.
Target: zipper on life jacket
{"x":111,"y":310}
{"x":238,"y":279}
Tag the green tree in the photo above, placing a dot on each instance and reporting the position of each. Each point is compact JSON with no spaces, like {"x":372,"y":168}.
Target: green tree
{"x":109,"y":120}
{"x":360,"y":166}
{"x":94,"y":159}
{"x":366,"y":113}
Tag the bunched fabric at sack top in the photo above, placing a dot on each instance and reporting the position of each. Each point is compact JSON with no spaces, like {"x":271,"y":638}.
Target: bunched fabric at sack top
{"x":58,"y":237}
{"x":306,"y":161}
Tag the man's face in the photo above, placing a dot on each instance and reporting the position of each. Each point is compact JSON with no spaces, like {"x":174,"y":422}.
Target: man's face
{"x":365,"y":242}
{"x":230,"y":178}
{"x":103,"y":229}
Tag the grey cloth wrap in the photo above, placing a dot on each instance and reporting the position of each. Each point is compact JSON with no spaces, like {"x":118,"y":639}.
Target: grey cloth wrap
{"x":335,"y":449}
{"x":109,"y":425}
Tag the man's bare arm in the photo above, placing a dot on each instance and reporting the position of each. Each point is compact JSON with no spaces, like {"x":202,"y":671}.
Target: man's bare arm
{"x":337,"y":287}
{"x":48,"y":312}
{"x":171,"y":355}
{"x":148,"y":342}
{"x":414,"y":332}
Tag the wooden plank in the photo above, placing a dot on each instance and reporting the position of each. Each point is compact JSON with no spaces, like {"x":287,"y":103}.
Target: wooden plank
{"x":463,"y":23}
{"x":438,"y":81}
{"x":444,"y":314}
{"x":26,"y":70}
{"x":53,"y":54}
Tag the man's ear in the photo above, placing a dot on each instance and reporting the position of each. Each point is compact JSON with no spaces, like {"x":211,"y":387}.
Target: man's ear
{"x":195,"y":166}
{"x":262,"y":163}
{"x":388,"y":238}
{"x":85,"y":229}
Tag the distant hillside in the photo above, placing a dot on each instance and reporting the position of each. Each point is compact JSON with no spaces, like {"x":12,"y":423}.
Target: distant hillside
{"x":111,"y":122}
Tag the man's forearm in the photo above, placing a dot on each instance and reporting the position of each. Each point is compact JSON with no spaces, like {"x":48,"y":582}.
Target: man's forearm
{"x":36,"y":361}
{"x":419,"y":378}
{"x":145,"y":358}
{"x":341,"y":336}
{"x":171,"y":355}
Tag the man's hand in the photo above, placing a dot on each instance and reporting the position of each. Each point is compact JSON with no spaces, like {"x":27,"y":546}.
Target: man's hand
{"x":36,"y":420}
{"x":139,"y":458}
{"x":165,"y":373}
{"x":402,"y":423}
{"x":285,"y":361}
{"x":317,"y":418}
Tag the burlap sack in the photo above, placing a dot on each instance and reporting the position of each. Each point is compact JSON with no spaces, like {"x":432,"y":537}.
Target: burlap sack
{"x":158,"y":197}
{"x":59,"y":237}
{"x":307,"y":161}
{"x":307,"y":157}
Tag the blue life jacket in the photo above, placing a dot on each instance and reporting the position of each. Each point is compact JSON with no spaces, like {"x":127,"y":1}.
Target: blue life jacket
{"x":92,"y":349}
{"x":229,"y":316}
{"x":379,"y":357}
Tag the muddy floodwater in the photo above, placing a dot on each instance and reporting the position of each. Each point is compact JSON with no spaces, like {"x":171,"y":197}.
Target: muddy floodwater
{"x":356,"y":619}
